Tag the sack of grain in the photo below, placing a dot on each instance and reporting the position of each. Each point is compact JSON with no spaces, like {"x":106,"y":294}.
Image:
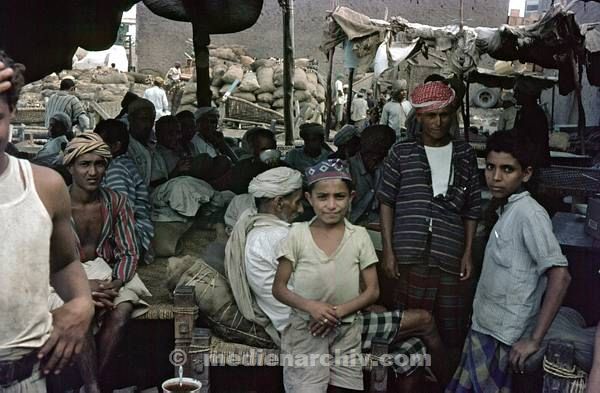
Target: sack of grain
{"x":189,"y":99}
{"x":217,"y":74}
{"x":215,"y":91}
{"x":245,"y":96}
{"x":320,"y":93}
{"x":264,"y":105}
{"x":264,"y":63}
{"x":225,"y":54}
{"x":300,"y":80}
{"x":278,"y":75}
{"x":239,"y":50}
{"x":234,"y":72}
{"x":302,"y":96}
{"x":246,"y":61}
{"x":224,"y":88}
{"x":312,"y":77}
{"x":111,"y":78}
{"x":264,"y":75}
{"x":265,"y":97}
{"x":249,"y":83}
{"x":278,"y":93}
{"x":278,"y":103}
{"x":302,"y":62}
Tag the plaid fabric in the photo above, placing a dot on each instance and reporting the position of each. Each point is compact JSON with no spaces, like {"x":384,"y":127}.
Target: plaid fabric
{"x":385,"y":326}
{"x":483,"y":366}
{"x":442,"y":294}
{"x":431,"y":97}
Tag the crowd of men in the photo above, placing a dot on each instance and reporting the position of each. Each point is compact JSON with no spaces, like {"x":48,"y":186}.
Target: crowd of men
{"x":306,"y":234}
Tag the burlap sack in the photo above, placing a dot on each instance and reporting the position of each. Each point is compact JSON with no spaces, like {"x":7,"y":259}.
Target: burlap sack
{"x":224,"y":53}
{"x":224,"y":88}
{"x":319,"y":93}
{"x":265,"y":97}
{"x":217,"y":74}
{"x":245,"y":96}
{"x":249,"y":83}
{"x":302,"y":95}
{"x":312,"y":77}
{"x":111,"y":78}
{"x":264,"y":75}
{"x":264,"y":105}
{"x":278,"y":93}
{"x":300,"y":80}
{"x":189,"y":99}
{"x":215,"y":91}
{"x":278,"y":75}
{"x":246,"y":61}
{"x":264,"y":63}
{"x":217,"y":306}
{"x":234,"y":72}
{"x":278,"y":103}
{"x":239,"y":50}
{"x":304,"y":62}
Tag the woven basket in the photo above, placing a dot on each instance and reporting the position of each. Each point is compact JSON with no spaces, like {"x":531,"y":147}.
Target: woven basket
{"x":30,"y":115}
{"x":238,"y":108}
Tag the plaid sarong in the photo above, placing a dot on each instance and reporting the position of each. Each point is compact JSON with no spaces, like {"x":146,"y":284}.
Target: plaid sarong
{"x":385,"y":326}
{"x":483,"y":366}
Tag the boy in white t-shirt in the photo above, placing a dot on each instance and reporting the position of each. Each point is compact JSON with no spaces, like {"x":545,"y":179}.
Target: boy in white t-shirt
{"x":325,"y":259}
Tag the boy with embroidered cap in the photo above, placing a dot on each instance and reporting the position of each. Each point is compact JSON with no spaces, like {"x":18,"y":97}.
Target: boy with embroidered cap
{"x":327,"y":256}
{"x":523,"y":263}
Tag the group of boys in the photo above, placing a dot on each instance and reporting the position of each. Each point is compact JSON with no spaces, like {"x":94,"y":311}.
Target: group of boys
{"x":313,"y":284}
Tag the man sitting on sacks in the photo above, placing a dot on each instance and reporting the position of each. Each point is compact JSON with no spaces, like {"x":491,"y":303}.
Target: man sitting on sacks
{"x":104,"y":223}
{"x":251,"y":263}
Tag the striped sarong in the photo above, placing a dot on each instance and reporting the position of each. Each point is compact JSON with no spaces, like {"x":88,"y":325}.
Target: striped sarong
{"x":483,"y":368}
{"x":409,"y":353}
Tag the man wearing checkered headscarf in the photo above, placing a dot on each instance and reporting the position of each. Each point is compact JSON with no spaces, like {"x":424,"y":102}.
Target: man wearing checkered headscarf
{"x":427,"y":243}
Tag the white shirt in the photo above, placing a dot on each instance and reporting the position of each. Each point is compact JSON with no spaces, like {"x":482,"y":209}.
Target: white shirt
{"x":174,"y":74}
{"x":339,"y":92}
{"x":359,"y":109}
{"x":440,"y":159}
{"x":158,"y":97}
{"x":203,"y":147}
{"x":260,"y":257}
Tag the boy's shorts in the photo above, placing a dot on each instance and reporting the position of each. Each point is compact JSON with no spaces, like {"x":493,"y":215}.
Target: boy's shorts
{"x":310,"y":363}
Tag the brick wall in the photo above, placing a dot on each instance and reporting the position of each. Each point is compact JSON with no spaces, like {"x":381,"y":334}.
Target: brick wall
{"x":160,"y":42}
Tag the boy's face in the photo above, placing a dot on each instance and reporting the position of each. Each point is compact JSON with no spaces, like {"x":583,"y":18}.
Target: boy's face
{"x":331,"y":200}
{"x":504,"y":175}
{"x":87,"y":171}
{"x":5,"y":116}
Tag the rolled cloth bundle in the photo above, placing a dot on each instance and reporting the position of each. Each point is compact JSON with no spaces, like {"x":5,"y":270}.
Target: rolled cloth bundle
{"x":432,"y":96}
{"x":87,"y":142}
{"x":275,"y":182}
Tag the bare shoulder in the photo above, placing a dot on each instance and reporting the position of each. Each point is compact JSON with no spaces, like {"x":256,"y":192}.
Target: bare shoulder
{"x":51,"y":188}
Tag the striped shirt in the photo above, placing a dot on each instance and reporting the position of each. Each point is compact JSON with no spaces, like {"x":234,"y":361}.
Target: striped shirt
{"x":62,"y":101}
{"x":118,"y":244}
{"x":406,"y":186}
{"x":122,"y":176}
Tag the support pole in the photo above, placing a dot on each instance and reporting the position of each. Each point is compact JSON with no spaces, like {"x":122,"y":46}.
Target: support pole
{"x":466,"y":109}
{"x":197,"y":12}
{"x":553,"y":102}
{"x":350,"y":94}
{"x":287,"y":7}
{"x":329,"y":94}
{"x":581,"y":111}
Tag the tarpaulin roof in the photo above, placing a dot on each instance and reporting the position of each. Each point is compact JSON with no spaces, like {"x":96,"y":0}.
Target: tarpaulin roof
{"x":551,"y":42}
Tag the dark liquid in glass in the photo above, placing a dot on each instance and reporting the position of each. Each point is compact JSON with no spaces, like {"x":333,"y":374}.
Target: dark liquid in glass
{"x":184,"y":387}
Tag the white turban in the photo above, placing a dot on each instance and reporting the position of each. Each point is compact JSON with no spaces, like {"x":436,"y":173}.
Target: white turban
{"x":275,"y":182}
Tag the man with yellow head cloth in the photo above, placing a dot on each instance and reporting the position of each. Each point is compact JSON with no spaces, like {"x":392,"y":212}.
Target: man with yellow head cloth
{"x":105,"y":226}
{"x":430,"y":204}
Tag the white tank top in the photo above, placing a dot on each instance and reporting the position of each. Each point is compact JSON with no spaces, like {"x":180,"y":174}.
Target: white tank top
{"x":26,"y":321}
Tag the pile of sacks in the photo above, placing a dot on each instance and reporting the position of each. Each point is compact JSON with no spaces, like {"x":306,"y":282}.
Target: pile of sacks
{"x":99,"y":85}
{"x":261,"y":82}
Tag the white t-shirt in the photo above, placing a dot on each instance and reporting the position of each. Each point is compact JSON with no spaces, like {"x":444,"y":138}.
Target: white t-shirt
{"x":261,"y":264}
{"x":440,"y":159}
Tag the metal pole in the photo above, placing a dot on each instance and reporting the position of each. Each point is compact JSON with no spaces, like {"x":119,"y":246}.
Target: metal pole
{"x":288,"y":68}
{"x":329,"y":94}
{"x":349,"y":98}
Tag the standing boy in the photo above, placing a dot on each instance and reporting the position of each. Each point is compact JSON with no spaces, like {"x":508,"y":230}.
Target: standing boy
{"x":327,"y":256}
{"x":522,"y":263}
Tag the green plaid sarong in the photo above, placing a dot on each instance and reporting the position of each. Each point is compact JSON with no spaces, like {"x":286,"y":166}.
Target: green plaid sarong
{"x":409,"y":354}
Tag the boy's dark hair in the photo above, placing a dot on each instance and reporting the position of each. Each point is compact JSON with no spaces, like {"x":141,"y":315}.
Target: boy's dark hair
{"x":511,"y":142}
{"x":185,"y":115}
{"x":11,"y":96}
{"x":67,"y":84}
{"x":378,"y":137}
{"x":348,"y":183}
{"x":113,"y":131}
{"x":259,"y":132}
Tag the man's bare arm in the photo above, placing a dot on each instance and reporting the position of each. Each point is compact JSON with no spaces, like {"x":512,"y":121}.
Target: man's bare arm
{"x":466,"y":265}
{"x":386,"y":214}
{"x":558,"y":283}
{"x":72,"y":320}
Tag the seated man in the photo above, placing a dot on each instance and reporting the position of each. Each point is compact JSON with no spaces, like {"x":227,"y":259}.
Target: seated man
{"x":168,"y":160}
{"x":347,"y":141}
{"x":59,"y":126}
{"x":123,"y":176}
{"x":141,"y":122}
{"x":105,"y":226}
{"x":251,"y":263}
{"x":366,"y":168}
{"x":313,"y":151}
{"x":188,"y":130}
{"x":259,"y":141}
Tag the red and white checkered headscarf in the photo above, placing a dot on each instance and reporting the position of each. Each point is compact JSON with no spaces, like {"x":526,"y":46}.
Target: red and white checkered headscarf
{"x":432,"y":96}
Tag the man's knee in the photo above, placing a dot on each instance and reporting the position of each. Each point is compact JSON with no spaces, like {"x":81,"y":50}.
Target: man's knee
{"x":418,"y":319}
{"x":119,"y":316}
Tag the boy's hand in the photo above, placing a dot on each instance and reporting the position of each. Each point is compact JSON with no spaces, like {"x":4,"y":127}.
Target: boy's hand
{"x":466,"y":267}
{"x":520,"y":351}
{"x":5,"y":75}
{"x":319,"y":329}
{"x":390,"y":267}
{"x":323,"y":313}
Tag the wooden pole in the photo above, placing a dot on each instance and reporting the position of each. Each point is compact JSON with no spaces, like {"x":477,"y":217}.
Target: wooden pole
{"x":349,"y":98}
{"x":466,"y":106}
{"x":329,"y":94}
{"x":288,"y":69}
{"x":581,"y":111}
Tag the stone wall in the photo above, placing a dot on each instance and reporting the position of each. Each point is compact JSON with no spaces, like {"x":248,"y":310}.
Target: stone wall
{"x":161,"y":42}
